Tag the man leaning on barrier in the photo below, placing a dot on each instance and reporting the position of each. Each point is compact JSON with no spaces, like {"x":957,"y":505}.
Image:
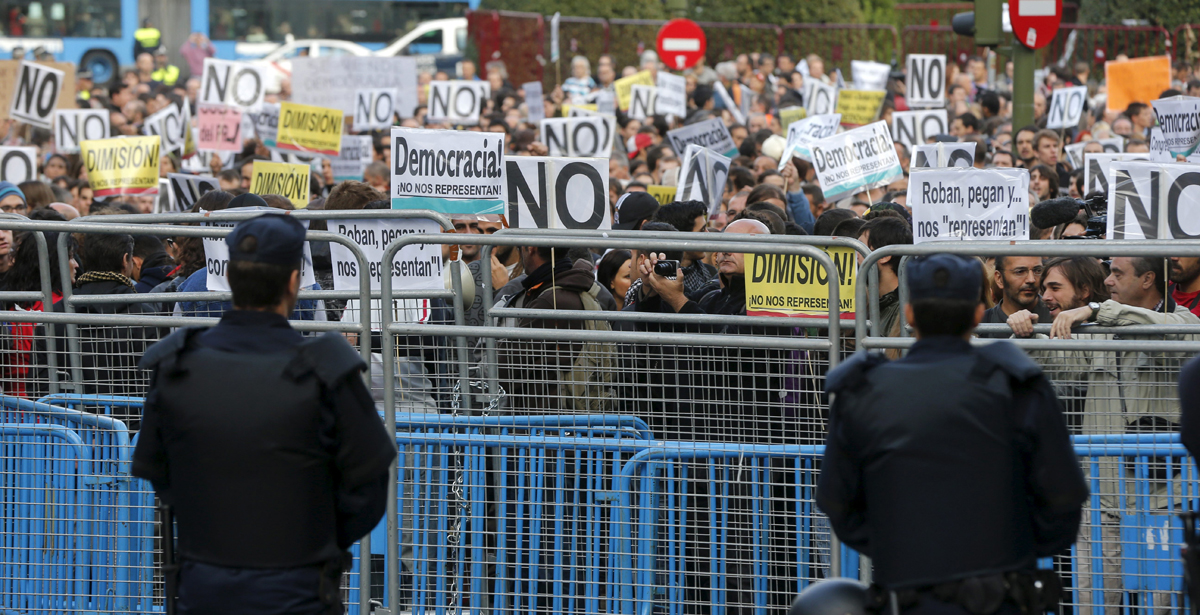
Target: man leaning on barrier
{"x":951,"y":468}
{"x":266,"y":444}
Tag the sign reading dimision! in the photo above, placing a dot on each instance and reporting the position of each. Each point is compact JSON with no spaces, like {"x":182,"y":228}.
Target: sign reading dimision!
{"x":452,"y":172}
{"x":288,"y":180}
{"x":795,"y":285}
{"x":314,"y":130}
{"x":126,"y":165}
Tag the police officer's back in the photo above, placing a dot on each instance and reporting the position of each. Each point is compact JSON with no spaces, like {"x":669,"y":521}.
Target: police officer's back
{"x":266,"y":444}
{"x":951,"y":467}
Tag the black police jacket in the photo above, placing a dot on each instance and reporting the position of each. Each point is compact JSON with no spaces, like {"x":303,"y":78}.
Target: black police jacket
{"x":951,"y":463}
{"x":267,"y":445}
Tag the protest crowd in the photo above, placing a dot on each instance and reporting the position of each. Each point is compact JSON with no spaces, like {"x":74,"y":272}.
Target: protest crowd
{"x":760,"y":145}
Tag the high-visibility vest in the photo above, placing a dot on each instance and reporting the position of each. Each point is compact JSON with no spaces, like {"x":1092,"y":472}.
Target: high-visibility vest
{"x":148,"y":38}
{"x":166,"y":75}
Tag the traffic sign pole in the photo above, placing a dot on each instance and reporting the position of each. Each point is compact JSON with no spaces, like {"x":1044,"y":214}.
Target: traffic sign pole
{"x":1024,"y":62}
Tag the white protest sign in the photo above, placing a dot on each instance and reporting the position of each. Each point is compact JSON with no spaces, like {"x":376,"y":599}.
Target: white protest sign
{"x":642,"y":101}
{"x":333,"y":81}
{"x":710,"y":133}
{"x":588,"y":136}
{"x":374,"y":109}
{"x":266,"y":123}
{"x":36,"y":94}
{"x":562,"y":193}
{"x":856,"y":160}
{"x":1074,"y":153}
{"x":184,"y":190}
{"x":535,"y":101}
{"x":747,"y":99}
{"x":937,"y":155}
{"x":1158,"y":146}
{"x":75,"y":125}
{"x":457,"y":102}
{"x":802,"y":133}
{"x":169,"y":126}
{"x":415,"y":267}
{"x":606,"y":102}
{"x":672,"y":95}
{"x":1066,"y":107}
{"x":969,"y":204}
{"x":18,"y":164}
{"x":448,"y":171}
{"x":357,"y":152}
{"x":1095,"y":170}
{"x":1179,"y":119}
{"x":702,"y":176}
{"x":1153,"y":200}
{"x":925,"y":81}
{"x":216,"y":254}
{"x":728,"y":104}
{"x":869,"y":75}
{"x":914,"y":127}
{"x":819,"y":99}
{"x":231,"y":83}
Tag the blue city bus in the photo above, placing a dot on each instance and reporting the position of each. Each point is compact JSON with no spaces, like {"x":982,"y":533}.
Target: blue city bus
{"x":98,"y":35}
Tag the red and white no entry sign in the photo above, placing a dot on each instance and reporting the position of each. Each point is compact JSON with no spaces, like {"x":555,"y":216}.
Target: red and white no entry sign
{"x":1035,"y":22}
{"x":681,"y":43}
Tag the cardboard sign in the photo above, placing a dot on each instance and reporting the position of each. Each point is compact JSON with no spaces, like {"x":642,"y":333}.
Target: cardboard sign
{"x":969,"y":204}
{"x":36,"y":95}
{"x":728,"y":104}
{"x":856,"y":160}
{"x":702,"y":175}
{"x":914,"y":127}
{"x":126,"y":165}
{"x":535,"y":101}
{"x":169,"y":125}
{"x":184,"y":190}
{"x":1096,"y":166}
{"x":579,"y":137}
{"x":18,"y":164}
{"x":312,"y":130}
{"x":561,"y":193}
{"x":1066,"y":107}
{"x":457,"y":102}
{"x":798,"y":286}
{"x":451,"y":172}
{"x":218,"y":128}
{"x":266,"y":123}
{"x":869,"y":75}
{"x":624,"y":87}
{"x":216,"y":255}
{"x":1153,"y":200}
{"x":11,"y":72}
{"x":415,"y":267}
{"x":940,"y":155}
{"x":73,"y":126}
{"x":357,"y":152}
{"x":710,"y":133}
{"x":859,"y":107}
{"x":803,"y":133}
{"x":662,"y":194}
{"x":287,"y":180}
{"x":374,"y":109}
{"x":1179,"y":119}
{"x":1137,"y":80}
{"x":643,"y":100}
{"x":333,"y":81}
{"x":791,"y":115}
{"x":926,"y":81}
{"x":819,"y":99}
{"x":238,"y":84}
{"x":672,"y":95}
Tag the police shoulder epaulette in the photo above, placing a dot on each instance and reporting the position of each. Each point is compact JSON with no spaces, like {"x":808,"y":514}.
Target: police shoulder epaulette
{"x":330,"y":358}
{"x":164,"y":352}
{"x":853,"y":370}
{"x":1007,"y":356}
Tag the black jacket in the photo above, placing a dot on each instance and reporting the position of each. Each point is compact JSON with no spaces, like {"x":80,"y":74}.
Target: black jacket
{"x":110,"y":353}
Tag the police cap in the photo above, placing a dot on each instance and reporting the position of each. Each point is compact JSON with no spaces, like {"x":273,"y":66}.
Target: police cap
{"x":944,"y":276}
{"x":831,"y":597}
{"x":278,"y":240}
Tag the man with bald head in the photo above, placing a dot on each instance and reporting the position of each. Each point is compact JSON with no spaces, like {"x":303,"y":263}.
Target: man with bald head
{"x":67,"y":211}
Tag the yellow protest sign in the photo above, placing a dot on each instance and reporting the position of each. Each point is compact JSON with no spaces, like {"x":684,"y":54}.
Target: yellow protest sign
{"x":1137,"y":80}
{"x":566,"y":108}
{"x":624,"y":86}
{"x":126,"y":165}
{"x":662,"y":194}
{"x":859,"y":107}
{"x":791,"y":114}
{"x":791,"y":285}
{"x":315,"y":130}
{"x":287,"y":180}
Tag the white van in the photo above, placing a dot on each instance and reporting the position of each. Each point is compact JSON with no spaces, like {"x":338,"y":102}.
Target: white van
{"x":437,"y":44}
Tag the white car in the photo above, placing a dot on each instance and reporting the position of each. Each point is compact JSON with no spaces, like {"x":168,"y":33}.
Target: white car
{"x":437,"y":44}
{"x":277,"y":65}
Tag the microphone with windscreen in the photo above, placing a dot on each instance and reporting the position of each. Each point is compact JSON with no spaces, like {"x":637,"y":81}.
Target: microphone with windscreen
{"x":1054,"y":212}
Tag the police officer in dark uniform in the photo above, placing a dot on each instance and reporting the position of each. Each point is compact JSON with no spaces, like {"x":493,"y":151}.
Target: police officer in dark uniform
{"x":266,"y":444}
{"x":952,"y":467}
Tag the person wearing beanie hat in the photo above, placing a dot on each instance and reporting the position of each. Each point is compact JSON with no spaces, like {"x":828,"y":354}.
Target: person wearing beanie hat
{"x":12,"y":199}
{"x":265,"y":445}
{"x":919,"y":448}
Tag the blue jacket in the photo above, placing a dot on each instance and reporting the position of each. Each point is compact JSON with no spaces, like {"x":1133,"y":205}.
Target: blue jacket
{"x":797,"y":204}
